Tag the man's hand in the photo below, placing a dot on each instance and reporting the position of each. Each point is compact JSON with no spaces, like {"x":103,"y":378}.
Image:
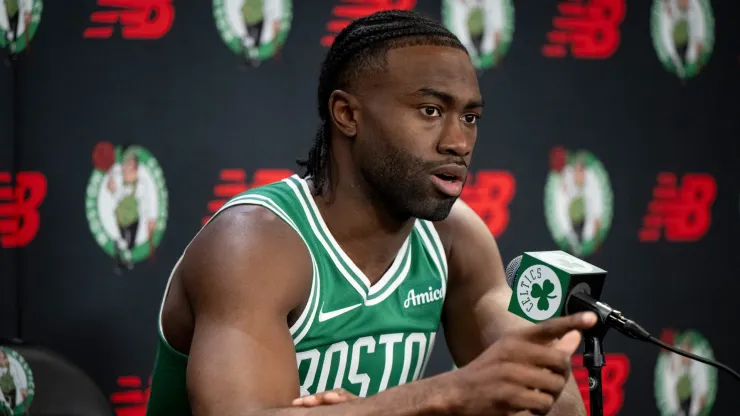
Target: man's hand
{"x":524,"y":370}
{"x":328,"y":397}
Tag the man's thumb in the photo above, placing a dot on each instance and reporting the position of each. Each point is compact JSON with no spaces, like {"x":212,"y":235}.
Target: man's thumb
{"x":569,"y":342}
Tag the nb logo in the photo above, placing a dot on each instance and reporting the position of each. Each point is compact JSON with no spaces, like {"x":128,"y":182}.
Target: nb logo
{"x":141,"y":19}
{"x":683,"y":212}
{"x":19,"y":204}
{"x":431,"y":295}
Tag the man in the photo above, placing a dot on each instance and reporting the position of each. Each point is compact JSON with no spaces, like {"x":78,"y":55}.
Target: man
{"x":347,"y":272}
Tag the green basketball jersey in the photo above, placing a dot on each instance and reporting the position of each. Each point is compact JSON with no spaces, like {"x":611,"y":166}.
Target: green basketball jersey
{"x":361,"y":337}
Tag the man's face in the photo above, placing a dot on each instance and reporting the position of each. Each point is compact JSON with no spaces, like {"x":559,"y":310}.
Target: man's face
{"x":416,"y":129}
{"x":683,"y":4}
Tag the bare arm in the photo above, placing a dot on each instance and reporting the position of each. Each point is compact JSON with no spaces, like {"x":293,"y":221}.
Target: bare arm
{"x":476,"y":307}
{"x":242,"y":359}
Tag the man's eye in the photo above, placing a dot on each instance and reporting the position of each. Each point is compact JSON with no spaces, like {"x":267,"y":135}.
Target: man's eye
{"x":431,"y":111}
{"x":471,"y":118}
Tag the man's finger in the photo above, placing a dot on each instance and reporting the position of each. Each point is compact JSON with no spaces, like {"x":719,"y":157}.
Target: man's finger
{"x":569,"y":342}
{"x":547,"y":331}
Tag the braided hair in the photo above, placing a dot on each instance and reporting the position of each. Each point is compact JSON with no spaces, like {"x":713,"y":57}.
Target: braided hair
{"x":360,"y":48}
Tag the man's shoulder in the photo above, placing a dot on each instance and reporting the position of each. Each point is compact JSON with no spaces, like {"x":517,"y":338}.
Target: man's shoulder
{"x":462,"y":226}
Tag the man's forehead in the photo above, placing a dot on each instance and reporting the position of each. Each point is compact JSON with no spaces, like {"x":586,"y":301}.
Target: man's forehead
{"x":412,"y":68}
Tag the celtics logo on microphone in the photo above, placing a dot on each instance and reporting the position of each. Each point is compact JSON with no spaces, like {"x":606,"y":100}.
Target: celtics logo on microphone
{"x":684,"y":386}
{"x":539,"y":292}
{"x":578,"y":201}
{"x":126,"y":203}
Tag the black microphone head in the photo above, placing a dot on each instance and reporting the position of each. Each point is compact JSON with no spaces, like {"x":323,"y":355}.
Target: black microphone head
{"x":511,"y":270}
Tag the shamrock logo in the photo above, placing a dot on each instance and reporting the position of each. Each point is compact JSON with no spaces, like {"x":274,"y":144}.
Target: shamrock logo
{"x":544,"y":294}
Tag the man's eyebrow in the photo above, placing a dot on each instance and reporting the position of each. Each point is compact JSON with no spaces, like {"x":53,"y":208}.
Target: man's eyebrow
{"x":447,"y":98}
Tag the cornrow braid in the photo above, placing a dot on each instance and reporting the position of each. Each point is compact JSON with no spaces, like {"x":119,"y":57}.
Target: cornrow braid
{"x":359,"y":48}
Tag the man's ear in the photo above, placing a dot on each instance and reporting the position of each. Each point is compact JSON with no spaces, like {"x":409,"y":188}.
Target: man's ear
{"x":343,"y":109}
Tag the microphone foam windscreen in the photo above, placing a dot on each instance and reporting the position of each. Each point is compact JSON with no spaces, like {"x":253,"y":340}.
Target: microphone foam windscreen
{"x":511,"y":270}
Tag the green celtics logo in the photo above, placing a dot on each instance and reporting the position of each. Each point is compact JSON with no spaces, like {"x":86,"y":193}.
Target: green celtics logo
{"x":254,"y":29}
{"x":126,"y":203}
{"x":16,"y":383}
{"x":683,"y":35}
{"x":578,"y":201}
{"x":18,"y":22}
{"x":684,"y":386}
{"x":484,"y":27}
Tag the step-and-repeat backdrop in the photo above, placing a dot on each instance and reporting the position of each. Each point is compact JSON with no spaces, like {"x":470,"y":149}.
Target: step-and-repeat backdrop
{"x":612,"y":132}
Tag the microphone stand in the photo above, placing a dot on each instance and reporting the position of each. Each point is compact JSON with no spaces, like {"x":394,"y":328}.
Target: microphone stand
{"x":594,"y":361}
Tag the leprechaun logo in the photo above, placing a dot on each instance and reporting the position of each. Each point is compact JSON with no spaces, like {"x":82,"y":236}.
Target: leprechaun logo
{"x":684,"y":386}
{"x":18,"y":22}
{"x":16,"y":383}
{"x":578,"y":201}
{"x":126,"y":203}
{"x":485,"y":27}
{"x":683,"y":35}
{"x":253,"y":29}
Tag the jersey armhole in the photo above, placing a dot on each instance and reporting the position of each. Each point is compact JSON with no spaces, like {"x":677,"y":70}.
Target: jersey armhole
{"x":265,"y":202}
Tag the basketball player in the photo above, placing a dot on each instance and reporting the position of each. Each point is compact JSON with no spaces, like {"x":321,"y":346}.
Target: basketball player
{"x":340,"y":279}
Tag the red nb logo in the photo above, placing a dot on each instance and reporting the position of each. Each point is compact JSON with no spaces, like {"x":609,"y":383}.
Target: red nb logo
{"x":132,"y":401}
{"x":682,"y":211}
{"x":488,"y":193}
{"x":141,"y":19}
{"x":19,"y":215}
{"x":234,"y":182}
{"x":590,"y":27}
{"x":351,"y":10}
{"x":613,"y":376}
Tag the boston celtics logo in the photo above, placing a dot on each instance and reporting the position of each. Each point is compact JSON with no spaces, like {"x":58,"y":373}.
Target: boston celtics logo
{"x":16,"y":383}
{"x":485,"y":27}
{"x":126,"y":203}
{"x":539,"y":292}
{"x":254,"y":29}
{"x":684,"y":386}
{"x":683,"y":35}
{"x":578,"y":201}
{"x":18,"y":22}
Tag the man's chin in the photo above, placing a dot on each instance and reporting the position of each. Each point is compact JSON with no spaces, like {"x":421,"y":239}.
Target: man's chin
{"x":437,"y":211}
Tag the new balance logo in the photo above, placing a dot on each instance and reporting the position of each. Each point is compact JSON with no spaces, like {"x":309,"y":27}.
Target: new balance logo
{"x":354,"y":9}
{"x":131,"y":401}
{"x":683,"y":212}
{"x":431,"y":295}
{"x":234,"y":181}
{"x":141,"y":19}
{"x":589,"y":27}
{"x":19,"y":204}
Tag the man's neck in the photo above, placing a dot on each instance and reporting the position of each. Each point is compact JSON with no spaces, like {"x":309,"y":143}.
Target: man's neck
{"x":365,"y":229}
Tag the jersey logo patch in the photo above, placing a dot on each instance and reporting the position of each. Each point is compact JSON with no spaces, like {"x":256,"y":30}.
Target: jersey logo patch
{"x":325,"y":316}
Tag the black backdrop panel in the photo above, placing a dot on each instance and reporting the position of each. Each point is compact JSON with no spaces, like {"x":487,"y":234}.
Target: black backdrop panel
{"x":196,"y":105}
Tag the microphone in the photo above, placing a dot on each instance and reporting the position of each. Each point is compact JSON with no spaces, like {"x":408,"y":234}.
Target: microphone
{"x":547,"y":284}
{"x":555,"y":283}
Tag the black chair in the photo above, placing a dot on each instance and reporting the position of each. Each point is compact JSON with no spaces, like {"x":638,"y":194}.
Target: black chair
{"x":61,"y":388}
